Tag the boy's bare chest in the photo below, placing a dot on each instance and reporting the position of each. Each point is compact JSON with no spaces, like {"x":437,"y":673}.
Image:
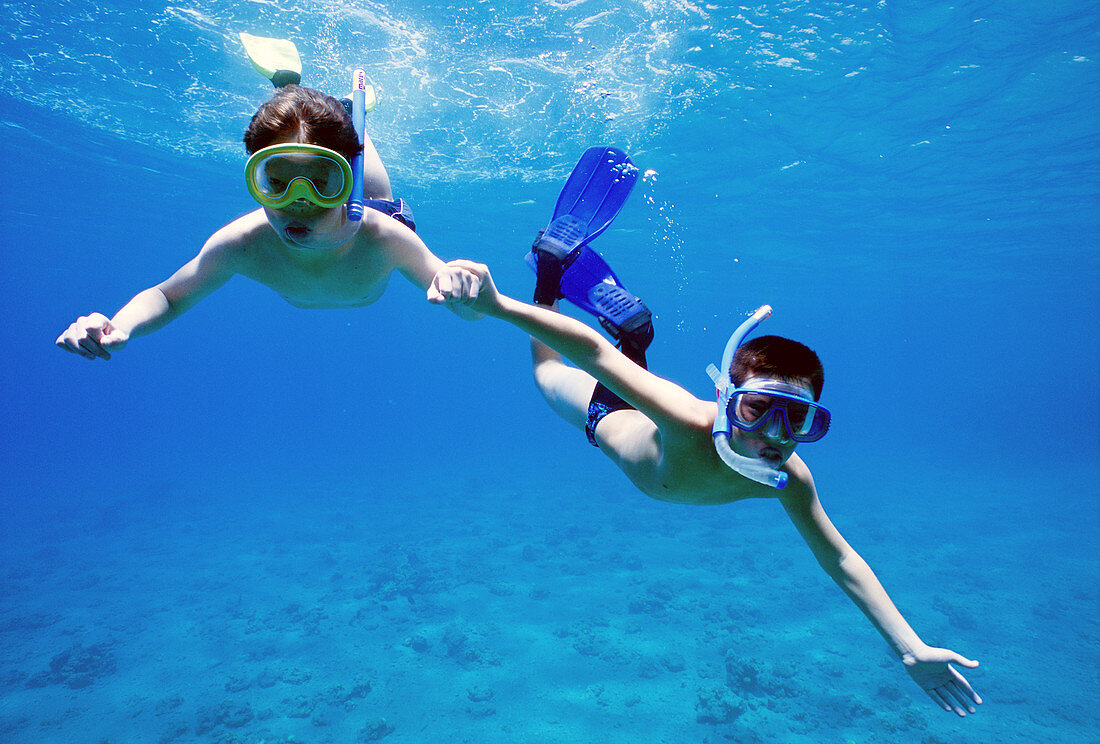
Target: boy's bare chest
{"x":697,"y":476}
{"x":345,"y":281}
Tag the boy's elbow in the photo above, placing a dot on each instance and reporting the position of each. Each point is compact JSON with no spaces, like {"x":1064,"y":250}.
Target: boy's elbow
{"x":158,"y":296}
{"x":600,"y":349}
{"x":848,"y":567}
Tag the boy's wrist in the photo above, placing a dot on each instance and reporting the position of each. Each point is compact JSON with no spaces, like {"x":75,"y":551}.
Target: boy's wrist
{"x":907,"y":652}
{"x":503,"y":307}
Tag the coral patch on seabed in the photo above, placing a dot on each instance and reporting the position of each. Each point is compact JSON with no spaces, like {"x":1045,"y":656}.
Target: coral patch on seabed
{"x":77,"y":666}
{"x":375,"y":731}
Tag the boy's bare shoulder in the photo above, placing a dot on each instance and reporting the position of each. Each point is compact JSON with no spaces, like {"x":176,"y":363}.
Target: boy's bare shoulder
{"x":388,"y":234}
{"x":241,"y":242}
{"x":680,"y":416}
{"x":246,"y":231}
{"x":800,"y":489}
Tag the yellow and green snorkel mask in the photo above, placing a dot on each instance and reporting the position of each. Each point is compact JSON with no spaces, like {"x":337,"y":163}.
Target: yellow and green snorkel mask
{"x":280,"y":175}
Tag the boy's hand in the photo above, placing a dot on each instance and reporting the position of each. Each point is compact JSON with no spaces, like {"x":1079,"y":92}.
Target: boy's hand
{"x":465,"y":283}
{"x":931,"y":668}
{"x":92,"y":337}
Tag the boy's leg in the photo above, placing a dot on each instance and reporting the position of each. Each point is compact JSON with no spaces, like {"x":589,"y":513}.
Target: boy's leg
{"x":574,"y":394}
{"x":633,"y":345}
{"x":376,"y":181}
{"x":566,"y":389}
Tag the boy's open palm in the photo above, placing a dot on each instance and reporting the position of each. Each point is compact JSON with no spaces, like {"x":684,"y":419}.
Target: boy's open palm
{"x":931,"y":668}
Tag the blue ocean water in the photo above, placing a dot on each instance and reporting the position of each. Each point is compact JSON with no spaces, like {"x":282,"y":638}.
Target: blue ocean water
{"x":266,"y":524}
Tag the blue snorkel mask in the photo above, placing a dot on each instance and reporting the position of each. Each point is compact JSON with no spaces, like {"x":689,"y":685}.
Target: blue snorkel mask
{"x":780,"y":410}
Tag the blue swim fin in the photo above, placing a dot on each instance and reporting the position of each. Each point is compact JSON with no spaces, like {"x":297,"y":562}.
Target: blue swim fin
{"x":590,"y":284}
{"x":591,"y":198}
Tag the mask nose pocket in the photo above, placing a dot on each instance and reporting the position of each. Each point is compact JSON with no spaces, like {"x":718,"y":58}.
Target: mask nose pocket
{"x":775,"y":428}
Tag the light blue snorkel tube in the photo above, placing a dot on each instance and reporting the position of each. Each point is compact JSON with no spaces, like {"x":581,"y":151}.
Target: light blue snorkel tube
{"x":358,"y":120}
{"x":750,"y":467}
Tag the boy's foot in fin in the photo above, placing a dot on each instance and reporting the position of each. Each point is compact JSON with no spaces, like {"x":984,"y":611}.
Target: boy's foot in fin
{"x":590,"y":284}
{"x":370,"y":101}
{"x":275,"y":59}
{"x":592,"y":196}
{"x":548,"y":266}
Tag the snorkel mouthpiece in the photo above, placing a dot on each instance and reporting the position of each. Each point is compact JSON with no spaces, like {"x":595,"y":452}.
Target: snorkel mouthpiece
{"x":358,"y":120}
{"x":750,"y":467}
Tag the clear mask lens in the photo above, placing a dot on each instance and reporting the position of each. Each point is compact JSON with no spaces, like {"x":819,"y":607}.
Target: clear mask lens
{"x":778,"y":415}
{"x":278,"y":174}
{"x":282,"y":174}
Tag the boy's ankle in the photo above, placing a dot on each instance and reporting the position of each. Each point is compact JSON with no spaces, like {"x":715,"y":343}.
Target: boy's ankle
{"x":634,"y":336}
{"x":548,"y":271}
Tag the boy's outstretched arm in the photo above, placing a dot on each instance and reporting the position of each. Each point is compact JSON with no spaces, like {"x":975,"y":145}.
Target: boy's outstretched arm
{"x":95,"y":336}
{"x":418,"y":264}
{"x":930,"y":667}
{"x":666,"y":403}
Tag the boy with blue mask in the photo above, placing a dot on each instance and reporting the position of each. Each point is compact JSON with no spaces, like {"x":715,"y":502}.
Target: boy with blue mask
{"x":303,"y":241}
{"x":675,"y":447}
{"x":663,"y":441}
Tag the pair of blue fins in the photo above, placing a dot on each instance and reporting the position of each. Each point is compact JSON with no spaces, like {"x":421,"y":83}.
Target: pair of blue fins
{"x":592,"y":196}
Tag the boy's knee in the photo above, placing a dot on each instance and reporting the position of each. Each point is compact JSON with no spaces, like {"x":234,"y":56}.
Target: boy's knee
{"x":544,"y":372}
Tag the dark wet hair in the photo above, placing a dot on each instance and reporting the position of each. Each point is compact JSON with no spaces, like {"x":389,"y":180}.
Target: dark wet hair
{"x":308,"y":115}
{"x":780,"y":357}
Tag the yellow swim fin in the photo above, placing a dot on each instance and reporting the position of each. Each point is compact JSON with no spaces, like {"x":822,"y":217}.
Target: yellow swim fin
{"x":275,"y":59}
